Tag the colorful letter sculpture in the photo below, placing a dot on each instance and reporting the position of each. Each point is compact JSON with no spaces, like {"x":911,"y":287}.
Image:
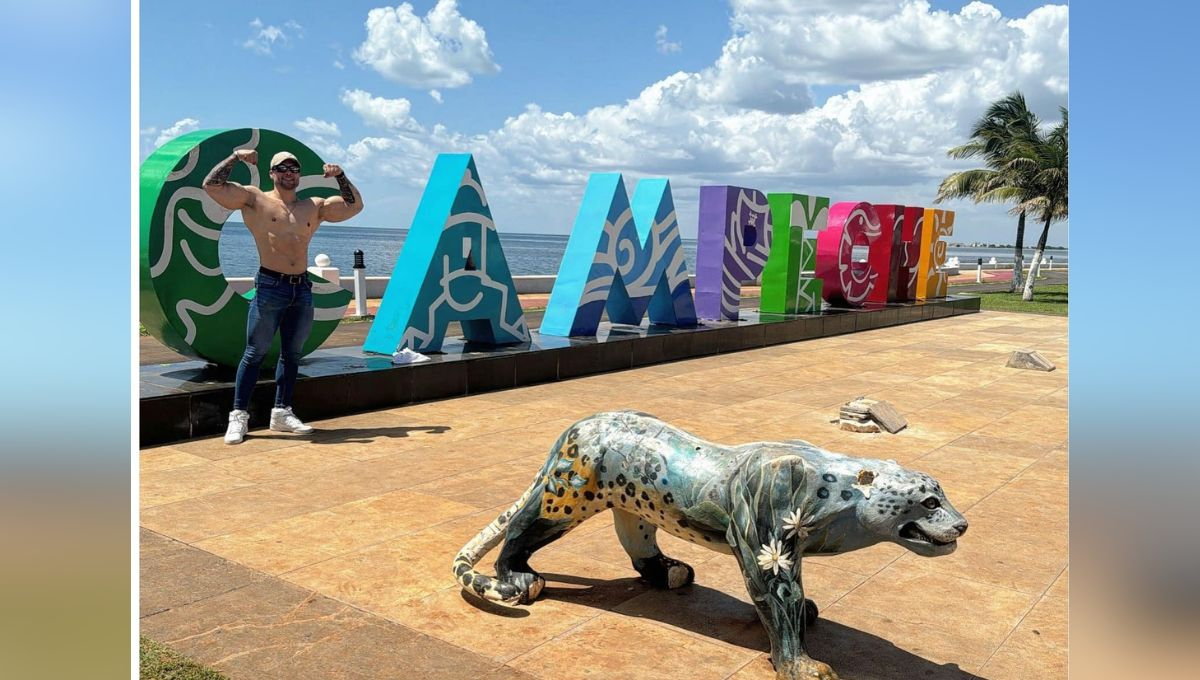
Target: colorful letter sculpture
{"x":795,"y":220}
{"x":879,"y":259}
{"x":621,"y":258}
{"x":186,"y":303}
{"x":733,"y":246}
{"x":769,"y":504}
{"x":451,"y":268}
{"x":931,"y":280}
{"x":847,"y":281}
{"x":909,"y":268}
{"x":891,"y":220}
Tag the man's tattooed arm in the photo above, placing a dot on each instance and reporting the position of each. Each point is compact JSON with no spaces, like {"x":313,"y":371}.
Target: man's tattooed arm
{"x":220,"y":174}
{"x":228,"y":194}
{"x":345,"y":189}
{"x":333,"y":210}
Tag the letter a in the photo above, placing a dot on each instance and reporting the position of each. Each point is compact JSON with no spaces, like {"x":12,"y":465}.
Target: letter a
{"x":452,"y":268}
{"x":622,"y":258}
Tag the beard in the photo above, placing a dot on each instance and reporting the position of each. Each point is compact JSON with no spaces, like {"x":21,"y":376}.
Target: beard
{"x":289,"y":182}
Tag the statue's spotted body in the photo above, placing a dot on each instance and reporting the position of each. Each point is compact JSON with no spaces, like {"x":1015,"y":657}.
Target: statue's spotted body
{"x":767,"y":503}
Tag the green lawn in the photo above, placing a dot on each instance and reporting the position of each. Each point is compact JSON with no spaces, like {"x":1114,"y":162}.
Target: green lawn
{"x":159,"y":662}
{"x":1047,"y":299}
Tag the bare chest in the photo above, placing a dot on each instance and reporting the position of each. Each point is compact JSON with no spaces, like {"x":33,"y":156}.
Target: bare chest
{"x":283,"y":225}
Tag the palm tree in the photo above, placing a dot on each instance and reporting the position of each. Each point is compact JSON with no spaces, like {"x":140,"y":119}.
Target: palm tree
{"x":1045,"y":159}
{"x":1006,"y":123}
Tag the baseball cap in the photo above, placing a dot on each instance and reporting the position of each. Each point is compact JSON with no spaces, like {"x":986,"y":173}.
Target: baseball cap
{"x":281,"y":157}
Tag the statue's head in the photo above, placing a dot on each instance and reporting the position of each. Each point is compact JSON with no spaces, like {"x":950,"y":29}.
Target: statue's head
{"x":909,"y":508}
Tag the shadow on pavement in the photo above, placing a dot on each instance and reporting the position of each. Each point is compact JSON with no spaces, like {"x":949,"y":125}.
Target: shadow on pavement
{"x":854,"y":654}
{"x":358,"y":435}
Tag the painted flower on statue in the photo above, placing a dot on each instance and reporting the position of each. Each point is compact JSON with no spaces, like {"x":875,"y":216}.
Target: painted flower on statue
{"x":791,"y":526}
{"x":773,"y":558}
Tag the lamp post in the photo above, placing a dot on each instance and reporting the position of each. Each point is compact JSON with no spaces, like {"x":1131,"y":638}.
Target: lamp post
{"x":360,"y":285}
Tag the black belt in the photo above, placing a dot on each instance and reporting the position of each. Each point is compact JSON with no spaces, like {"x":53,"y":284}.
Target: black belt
{"x":291,"y":279}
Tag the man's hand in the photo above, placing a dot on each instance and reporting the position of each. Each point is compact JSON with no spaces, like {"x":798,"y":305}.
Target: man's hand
{"x":332,"y":170}
{"x":247,"y":156}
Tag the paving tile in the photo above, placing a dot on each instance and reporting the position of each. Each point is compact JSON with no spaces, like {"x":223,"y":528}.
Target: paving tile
{"x":483,"y":487}
{"x":194,"y":519}
{"x":215,"y":448}
{"x":385,"y":577}
{"x":166,"y":458}
{"x":632,"y":648}
{"x":175,"y":484}
{"x":1037,"y":648}
{"x":270,"y":629}
{"x":381,"y":577}
{"x":1061,"y":585}
{"x":493,"y":630}
{"x":306,"y":539}
{"x":998,"y":560}
{"x":868,"y":561}
{"x":268,"y":466}
{"x":938,"y":617}
{"x":173,"y":574}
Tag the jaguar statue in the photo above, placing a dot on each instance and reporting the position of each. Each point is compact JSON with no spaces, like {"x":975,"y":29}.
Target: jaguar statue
{"x":768,"y":503}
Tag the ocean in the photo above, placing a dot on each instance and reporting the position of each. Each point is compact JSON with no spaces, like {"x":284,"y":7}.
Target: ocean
{"x":527,"y":254}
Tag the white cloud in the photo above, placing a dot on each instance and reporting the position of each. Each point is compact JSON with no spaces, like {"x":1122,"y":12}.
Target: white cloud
{"x":662,"y":44}
{"x":391,"y":114}
{"x":180,"y":127}
{"x":263,"y":38}
{"x":337,"y":63}
{"x":318,"y":127}
{"x":750,"y":118}
{"x":442,"y":49}
{"x":436,"y":96}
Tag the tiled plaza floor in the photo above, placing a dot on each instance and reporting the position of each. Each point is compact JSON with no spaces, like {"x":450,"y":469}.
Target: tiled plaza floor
{"x":329,"y":556}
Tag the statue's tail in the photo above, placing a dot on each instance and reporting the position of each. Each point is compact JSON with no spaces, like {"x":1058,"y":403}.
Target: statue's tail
{"x":491,"y":587}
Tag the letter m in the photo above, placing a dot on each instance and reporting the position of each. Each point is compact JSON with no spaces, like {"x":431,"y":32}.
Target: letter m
{"x":621,"y":258}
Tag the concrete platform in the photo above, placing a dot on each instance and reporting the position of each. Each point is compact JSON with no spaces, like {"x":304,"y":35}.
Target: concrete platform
{"x":329,"y":556}
{"x":190,"y":398}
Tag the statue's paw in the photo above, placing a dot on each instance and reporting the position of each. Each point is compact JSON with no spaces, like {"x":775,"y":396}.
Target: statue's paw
{"x":534,"y":589}
{"x":679,"y":574}
{"x":661,"y":571}
{"x":806,"y":668}
{"x":528,"y":585}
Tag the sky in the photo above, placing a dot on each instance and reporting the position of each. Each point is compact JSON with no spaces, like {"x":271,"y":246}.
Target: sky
{"x":853,"y":101}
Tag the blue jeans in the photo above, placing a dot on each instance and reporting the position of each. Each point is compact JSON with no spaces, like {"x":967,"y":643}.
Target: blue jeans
{"x":277,"y":306}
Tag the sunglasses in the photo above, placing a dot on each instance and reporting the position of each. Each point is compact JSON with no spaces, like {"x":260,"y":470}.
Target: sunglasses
{"x":286,"y":167}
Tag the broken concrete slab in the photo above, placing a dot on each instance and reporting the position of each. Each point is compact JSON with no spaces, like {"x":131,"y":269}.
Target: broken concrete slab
{"x":1029,"y":359}
{"x":870,"y":415}
{"x":887,"y":417}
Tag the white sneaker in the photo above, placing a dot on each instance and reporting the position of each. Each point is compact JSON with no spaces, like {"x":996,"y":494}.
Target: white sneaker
{"x":407,"y":356}
{"x":283,"y":420}
{"x":239,"y":422}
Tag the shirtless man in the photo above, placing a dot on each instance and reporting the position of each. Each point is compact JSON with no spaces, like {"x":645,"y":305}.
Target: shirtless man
{"x":282,"y":226}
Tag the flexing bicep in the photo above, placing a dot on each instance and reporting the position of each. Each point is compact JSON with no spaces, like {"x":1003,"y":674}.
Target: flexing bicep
{"x":228,"y":194}
{"x":231,"y":195}
{"x":336,"y":209}
{"x":345,"y":205}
